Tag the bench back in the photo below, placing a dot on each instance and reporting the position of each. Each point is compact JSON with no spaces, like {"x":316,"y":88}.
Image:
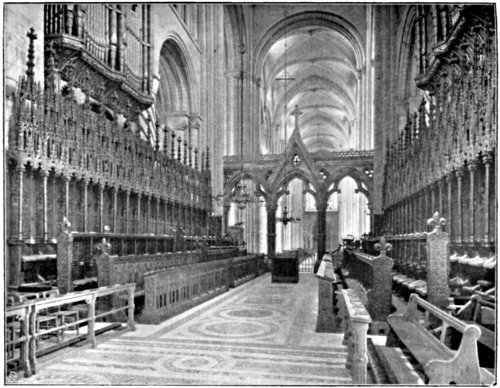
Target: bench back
{"x":169,"y":291}
{"x":458,"y":367}
{"x":374,"y":272}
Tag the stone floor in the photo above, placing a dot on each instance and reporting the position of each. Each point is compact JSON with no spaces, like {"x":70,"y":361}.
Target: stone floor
{"x":260,"y":333}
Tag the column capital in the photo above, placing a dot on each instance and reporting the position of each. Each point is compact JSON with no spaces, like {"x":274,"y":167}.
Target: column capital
{"x":472,"y":165}
{"x":271,"y":207}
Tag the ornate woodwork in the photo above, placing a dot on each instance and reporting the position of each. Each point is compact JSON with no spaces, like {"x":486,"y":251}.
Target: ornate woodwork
{"x":67,"y":159}
{"x":105,"y":50}
{"x":443,"y":159}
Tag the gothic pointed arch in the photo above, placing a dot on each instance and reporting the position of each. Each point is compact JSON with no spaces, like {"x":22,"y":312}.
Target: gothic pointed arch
{"x":309,"y":19}
{"x":177,"y":91}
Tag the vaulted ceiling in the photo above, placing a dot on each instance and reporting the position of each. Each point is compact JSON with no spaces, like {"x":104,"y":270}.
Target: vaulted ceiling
{"x":315,"y":69}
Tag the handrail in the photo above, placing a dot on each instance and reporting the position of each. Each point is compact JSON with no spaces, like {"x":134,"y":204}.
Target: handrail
{"x":355,"y":321}
{"x":26,"y":313}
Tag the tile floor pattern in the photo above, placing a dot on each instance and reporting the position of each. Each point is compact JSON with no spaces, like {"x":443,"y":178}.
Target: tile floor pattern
{"x":260,"y":333}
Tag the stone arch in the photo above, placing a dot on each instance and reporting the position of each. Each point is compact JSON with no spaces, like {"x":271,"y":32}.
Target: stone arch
{"x":282,"y":180}
{"x":309,"y":19}
{"x":359,"y":177}
{"x":405,"y":57}
{"x":255,"y":178}
{"x":177,"y":90}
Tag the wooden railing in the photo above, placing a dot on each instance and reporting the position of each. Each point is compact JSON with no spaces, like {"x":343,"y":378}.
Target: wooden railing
{"x":244,"y":268}
{"x":22,"y":329}
{"x":170,"y":291}
{"x":355,"y":323}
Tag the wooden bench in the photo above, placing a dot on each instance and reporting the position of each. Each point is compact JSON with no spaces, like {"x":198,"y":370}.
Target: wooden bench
{"x":423,"y":334}
{"x":481,"y":312}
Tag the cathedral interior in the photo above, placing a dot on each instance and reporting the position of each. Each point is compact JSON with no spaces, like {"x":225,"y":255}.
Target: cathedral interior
{"x":250,"y":194}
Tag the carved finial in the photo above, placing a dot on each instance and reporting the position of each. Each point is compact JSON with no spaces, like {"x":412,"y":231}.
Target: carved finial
{"x":172,"y":145}
{"x":104,"y":246}
{"x":165,"y":138}
{"x":436,"y":222}
{"x":179,"y":153}
{"x":31,"y":58}
{"x":64,"y":226}
{"x":383,"y":246}
{"x":185,"y":151}
{"x":207,"y":166}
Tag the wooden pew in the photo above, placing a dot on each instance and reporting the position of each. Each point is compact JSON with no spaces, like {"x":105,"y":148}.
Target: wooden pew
{"x":481,"y":312}
{"x":422,"y":331}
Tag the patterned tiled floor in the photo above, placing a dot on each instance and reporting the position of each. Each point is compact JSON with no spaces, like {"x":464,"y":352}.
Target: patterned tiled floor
{"x":260,"y":333}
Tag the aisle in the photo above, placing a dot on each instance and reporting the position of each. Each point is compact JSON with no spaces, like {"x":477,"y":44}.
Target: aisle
{"x":257,"y":334}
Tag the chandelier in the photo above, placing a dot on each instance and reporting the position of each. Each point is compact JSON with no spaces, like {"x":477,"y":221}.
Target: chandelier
{"x":240,"y":196}
{"x":285,"y":218}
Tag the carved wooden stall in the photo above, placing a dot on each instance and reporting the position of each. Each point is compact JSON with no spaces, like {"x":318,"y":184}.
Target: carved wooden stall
{"x":77,"y":149}
{"x":444,"y":159}
{"x":374,"y":273}
{"x":170,"y":291}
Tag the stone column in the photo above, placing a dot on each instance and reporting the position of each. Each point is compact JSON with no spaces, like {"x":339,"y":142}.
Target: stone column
{"x":271,"y":232}
{"x":85,"y":204}
{"x":67,"y":179}
{"x":45,"y":176}
{"x":487,"y":159}
{"x":115,"y":208}
{"x":127,"y":210}
{"x":370,"y":210}
{"x":321,"y":236}
{"x":472,"y":168}
{"x":101,"y":207}
{"x":451,"y":231}
{"x":459,"y":174}
{"x":138,"y":228}
{"x":226,"y":208}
